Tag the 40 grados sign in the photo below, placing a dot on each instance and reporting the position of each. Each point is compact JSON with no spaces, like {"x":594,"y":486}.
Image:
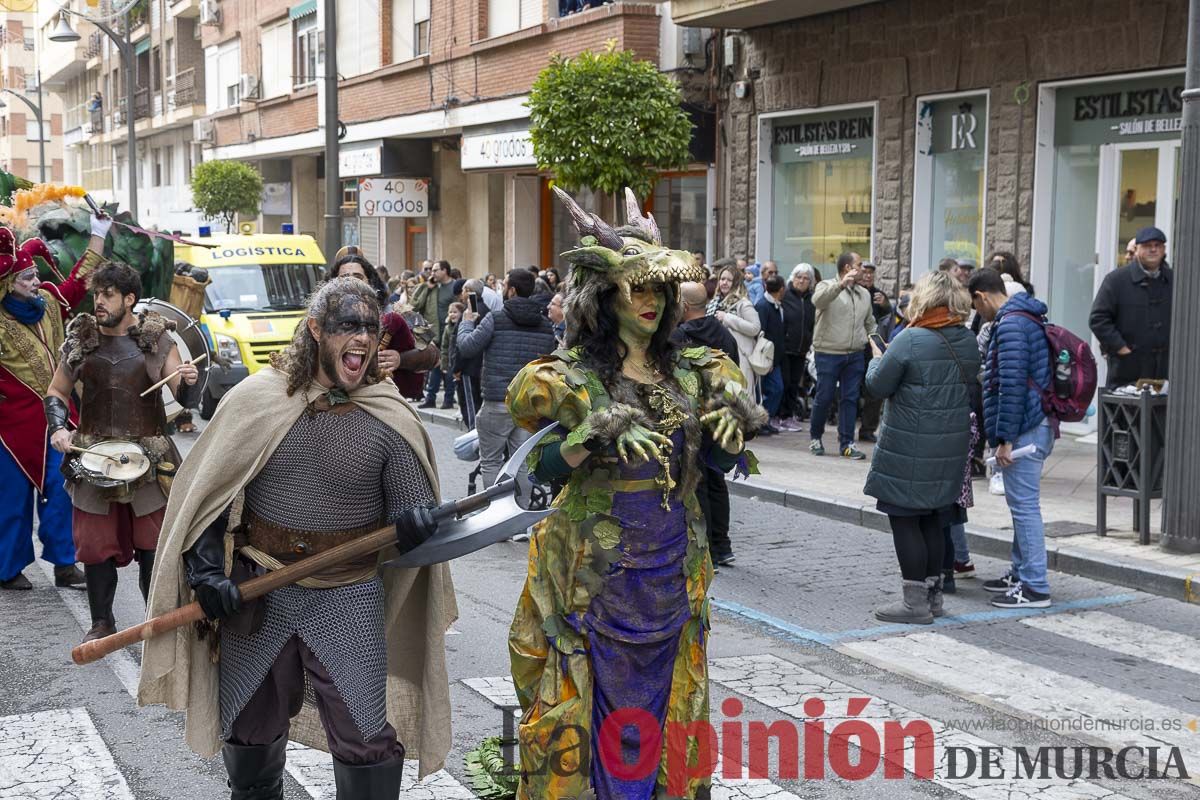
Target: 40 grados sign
{"x":393,"y":197}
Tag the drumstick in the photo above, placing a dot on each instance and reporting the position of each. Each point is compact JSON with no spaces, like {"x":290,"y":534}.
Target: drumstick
{"x":121,"y":459}
{"x":172,"y":375}
{"x":384,"y":341}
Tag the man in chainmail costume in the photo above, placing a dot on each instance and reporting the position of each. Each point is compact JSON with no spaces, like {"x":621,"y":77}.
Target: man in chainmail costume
{"x":345,"y":456}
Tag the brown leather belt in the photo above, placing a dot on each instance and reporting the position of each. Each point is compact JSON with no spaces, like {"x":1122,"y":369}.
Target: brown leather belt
{"x":288,"y":544}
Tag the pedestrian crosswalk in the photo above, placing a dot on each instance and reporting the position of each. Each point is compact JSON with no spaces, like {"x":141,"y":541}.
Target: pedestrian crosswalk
{"x":57,"y":755}
{"x":61,"y":754}
{"x":1137,"y":639}
{"x":1030,"y":691}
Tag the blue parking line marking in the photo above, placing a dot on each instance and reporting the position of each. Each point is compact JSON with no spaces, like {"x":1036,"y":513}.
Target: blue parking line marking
{"x":792,"y":631}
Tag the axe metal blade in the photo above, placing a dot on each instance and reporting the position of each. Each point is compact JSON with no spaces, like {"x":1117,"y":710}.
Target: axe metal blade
{"x":459,"y":537}
{"x":517,"y":460}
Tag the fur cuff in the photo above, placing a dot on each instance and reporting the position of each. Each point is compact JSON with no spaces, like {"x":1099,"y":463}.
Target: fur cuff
{"x":750,"y":415}
{"x":601,"y":428}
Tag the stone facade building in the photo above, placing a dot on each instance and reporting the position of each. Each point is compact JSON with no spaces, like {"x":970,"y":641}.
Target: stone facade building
{"x":917,"y":129}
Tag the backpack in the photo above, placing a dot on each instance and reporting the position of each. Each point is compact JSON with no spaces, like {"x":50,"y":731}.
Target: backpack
{"x":1073,"y":379}
{"x":762,"y":358}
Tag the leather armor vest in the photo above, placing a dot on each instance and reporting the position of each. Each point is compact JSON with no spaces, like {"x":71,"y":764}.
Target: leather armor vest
{"x":114,"y":375}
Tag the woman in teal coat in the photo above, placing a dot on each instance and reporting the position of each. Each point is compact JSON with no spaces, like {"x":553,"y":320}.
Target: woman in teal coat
{"x":919,"y":466}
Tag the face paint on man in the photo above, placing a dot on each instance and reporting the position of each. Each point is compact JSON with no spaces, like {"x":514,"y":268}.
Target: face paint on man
{"x":25,"y":283}
{"x":350,"y":336}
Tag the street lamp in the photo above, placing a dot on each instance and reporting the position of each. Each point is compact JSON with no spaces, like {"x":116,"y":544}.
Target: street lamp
{"x":36,"y":108}
{"x":64,"y":33}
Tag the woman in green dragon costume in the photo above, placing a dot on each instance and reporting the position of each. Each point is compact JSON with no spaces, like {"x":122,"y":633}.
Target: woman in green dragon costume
{"x":609,"y":638}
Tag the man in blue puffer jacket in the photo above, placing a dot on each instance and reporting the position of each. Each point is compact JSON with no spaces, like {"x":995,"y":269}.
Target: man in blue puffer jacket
{"x":1016,"y":370}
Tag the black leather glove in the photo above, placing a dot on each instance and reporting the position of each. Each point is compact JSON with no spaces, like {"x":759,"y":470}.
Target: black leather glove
{"x":204,"y":564}
{"x":413,"y":527}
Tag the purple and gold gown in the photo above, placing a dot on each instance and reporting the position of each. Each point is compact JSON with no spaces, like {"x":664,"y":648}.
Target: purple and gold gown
{"x":614,"y":613}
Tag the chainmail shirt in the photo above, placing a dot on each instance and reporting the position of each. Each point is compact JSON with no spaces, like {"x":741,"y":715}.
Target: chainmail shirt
{"x":331,"y":472}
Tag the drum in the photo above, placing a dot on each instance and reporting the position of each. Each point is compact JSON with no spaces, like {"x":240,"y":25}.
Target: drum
{"x":192,"y":344}
{"x":113,"y":463}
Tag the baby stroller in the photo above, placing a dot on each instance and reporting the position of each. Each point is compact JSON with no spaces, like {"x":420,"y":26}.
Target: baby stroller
{"x":466,"y":448}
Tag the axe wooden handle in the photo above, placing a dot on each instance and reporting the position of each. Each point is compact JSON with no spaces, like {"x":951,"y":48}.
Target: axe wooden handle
{"x":252,"y":589}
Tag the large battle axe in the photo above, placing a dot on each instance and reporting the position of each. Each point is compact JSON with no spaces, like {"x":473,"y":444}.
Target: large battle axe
{"x":460,"y":532}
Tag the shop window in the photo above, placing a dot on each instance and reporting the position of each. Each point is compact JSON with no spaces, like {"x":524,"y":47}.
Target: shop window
{"x":680,"y":208}
{"x":822,"y":185}
{"x":563,"y":233}
{"x":1073,"y":231}
{"x":950,"y":183}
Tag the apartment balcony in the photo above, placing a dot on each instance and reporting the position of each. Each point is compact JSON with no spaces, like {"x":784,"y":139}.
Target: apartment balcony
{"x":185,"y":8}
{"x":751,"y":13}
{"x":62,"y":61}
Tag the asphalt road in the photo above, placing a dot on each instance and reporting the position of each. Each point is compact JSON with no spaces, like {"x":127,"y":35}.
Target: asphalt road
{"x":791,"y":621}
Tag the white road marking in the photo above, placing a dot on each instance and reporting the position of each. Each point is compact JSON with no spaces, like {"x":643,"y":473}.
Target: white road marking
{"x":1027,"y":690}
{"x":500,"y":692}
{"x":785,"y":686}
{"x":1120,"y":635}
{"x":121,"y":662}
{"x":313,"y":770}
{"x":59,"y":755}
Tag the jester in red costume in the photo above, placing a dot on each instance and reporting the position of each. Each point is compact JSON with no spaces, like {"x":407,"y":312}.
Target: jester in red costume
{"x":32,"y":316}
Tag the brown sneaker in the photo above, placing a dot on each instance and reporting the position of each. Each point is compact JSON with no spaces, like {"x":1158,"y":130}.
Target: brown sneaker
{"x":100,"y":629}
{"x":69,"y":577}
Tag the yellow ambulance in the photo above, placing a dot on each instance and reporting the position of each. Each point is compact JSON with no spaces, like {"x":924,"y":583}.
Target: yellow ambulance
{"x":255,"y":299}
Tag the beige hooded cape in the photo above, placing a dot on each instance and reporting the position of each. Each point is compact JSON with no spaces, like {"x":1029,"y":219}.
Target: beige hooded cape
{"x":177,"y":668}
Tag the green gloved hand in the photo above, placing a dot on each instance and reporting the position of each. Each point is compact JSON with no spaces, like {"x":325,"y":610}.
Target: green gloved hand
{"x":626,"y":427}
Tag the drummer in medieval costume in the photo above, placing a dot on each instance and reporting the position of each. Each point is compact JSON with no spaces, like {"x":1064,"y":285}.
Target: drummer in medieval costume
{"x":32,"y":319}
{"x":310,"y":453}
{"x":118,"y":485}
{"x":614,"y":614}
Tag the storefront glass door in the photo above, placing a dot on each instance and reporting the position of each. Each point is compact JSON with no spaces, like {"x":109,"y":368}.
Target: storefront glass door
{"x":1139,"y":187}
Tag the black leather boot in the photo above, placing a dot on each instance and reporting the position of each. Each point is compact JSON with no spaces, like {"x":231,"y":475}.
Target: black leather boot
{"x":368,"y":782}
{"x":101,"y":589}
{"x":256,"y":771}
{"x":145,"y":559}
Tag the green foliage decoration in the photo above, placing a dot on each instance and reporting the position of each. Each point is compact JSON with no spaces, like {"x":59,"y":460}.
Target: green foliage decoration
{"x":607,"y":121}
{"x":223,"y":189}
{"x":490,"y":776}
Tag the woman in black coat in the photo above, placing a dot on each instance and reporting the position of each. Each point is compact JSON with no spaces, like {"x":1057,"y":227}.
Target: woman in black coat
{"x":799,"y":316}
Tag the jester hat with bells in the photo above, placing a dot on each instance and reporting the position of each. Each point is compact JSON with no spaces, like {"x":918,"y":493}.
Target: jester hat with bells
{"x":628,"y":256}
{"x":14,"y":260}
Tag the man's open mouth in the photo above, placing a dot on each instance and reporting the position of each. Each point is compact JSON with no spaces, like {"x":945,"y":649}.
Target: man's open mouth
{"x":353,"y":360}
{"x":650,"y":315}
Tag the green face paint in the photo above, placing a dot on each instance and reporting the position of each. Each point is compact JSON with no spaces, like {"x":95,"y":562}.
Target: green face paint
{"x":640,"y":317}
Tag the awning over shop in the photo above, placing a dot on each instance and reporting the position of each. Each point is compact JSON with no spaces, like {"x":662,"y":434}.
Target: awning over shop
{"x":302,"y":9}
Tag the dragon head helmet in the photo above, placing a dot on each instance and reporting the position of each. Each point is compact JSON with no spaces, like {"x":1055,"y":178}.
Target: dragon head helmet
{"x":628,"y":256}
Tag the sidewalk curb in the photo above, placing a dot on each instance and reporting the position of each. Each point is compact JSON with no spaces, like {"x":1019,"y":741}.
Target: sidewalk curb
{"x":1162,"y":580}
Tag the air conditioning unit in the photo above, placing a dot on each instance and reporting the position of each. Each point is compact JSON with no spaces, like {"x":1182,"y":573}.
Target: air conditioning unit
{"x":203,"y":131}
{"x":86,"y":129}
{"x":210,"y":14}
{"x":248,"y":86}
{"x":171,"y":99}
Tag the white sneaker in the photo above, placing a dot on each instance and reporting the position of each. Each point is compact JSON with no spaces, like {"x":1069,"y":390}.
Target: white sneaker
{"x":996,"y":484}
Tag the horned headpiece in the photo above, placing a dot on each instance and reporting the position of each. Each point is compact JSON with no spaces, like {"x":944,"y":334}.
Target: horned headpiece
{"x":628,"y":256}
